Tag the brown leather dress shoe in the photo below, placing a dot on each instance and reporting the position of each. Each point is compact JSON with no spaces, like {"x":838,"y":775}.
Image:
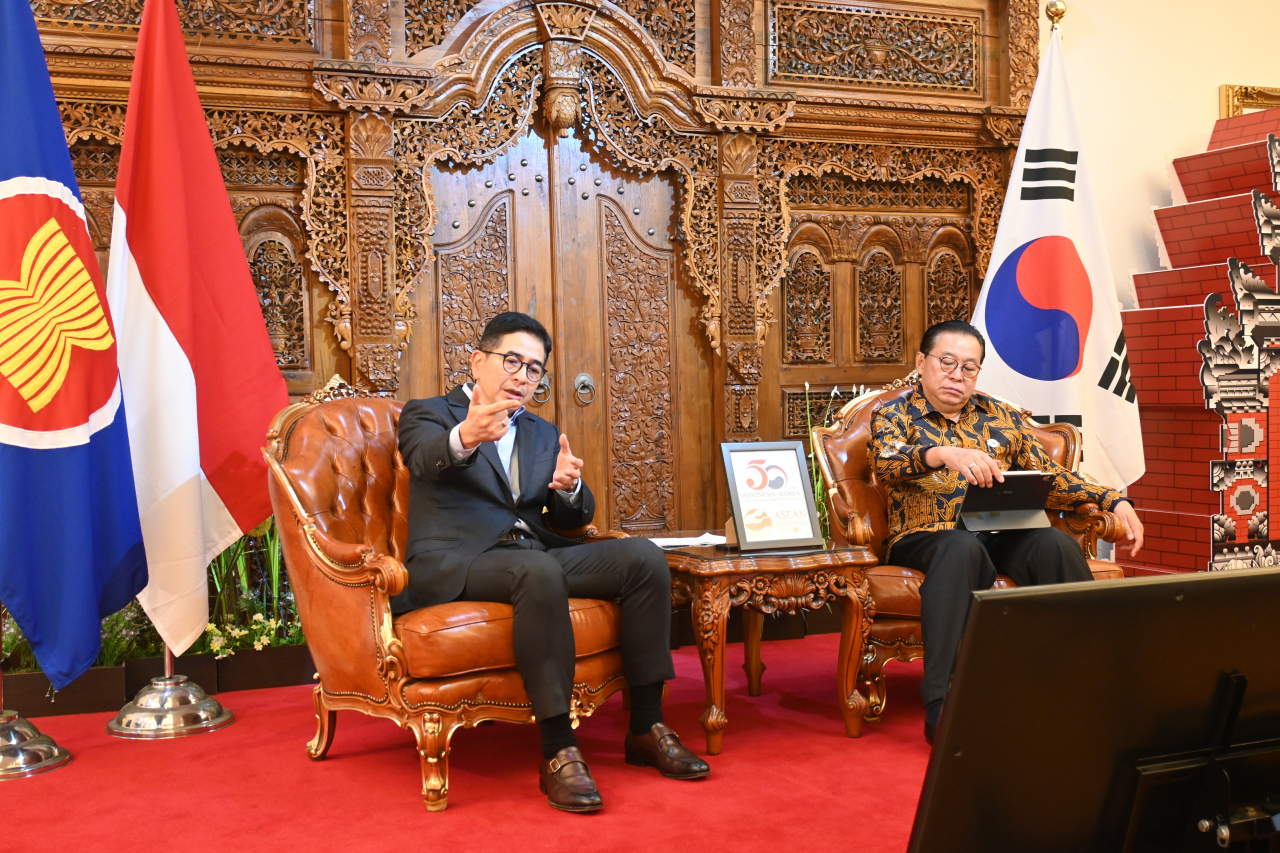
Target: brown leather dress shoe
{"x":660,"y":747}
{"x":567,"y":782}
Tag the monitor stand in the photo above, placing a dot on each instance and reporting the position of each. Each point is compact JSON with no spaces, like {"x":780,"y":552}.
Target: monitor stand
{"x":1223,"y":798}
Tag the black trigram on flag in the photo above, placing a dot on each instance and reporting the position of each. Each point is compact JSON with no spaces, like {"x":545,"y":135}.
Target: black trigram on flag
{"x":1051,"y":177}
{"x":1116,"y":377}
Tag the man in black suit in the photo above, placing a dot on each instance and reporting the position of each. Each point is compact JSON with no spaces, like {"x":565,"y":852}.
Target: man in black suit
{"x":483,"y":471}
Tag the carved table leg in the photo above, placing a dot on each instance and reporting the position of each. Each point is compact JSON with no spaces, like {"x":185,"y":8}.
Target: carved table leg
{"x":855,"y":596}
{"x":752,"y":629}
{"x":710,"y":617}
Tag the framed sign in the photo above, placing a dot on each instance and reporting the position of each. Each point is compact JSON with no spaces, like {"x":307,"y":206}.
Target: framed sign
{"x":772,"y":495}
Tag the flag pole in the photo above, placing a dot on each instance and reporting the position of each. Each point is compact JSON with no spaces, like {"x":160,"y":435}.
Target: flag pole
{"x":1054,"y":10}
{"x":23,"y":750}
{"x":170,"y":706}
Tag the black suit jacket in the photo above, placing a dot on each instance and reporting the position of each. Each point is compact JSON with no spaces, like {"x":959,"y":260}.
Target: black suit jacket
{"x":458,"y":510}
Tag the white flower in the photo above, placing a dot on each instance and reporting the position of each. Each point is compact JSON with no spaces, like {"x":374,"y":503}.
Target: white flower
{"x":257,"y":617}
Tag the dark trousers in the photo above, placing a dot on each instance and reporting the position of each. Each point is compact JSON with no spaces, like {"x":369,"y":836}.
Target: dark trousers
{"x":538,"y":582}
{"x":957,"y":562}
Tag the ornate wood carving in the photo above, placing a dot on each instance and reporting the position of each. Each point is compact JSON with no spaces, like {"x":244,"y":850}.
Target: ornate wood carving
{"x":282,"y":22}
{"x":1024,"y":50}
{"x":565,"y":20}
{"x":781,"y":159}
{"x":733,"y":109}
{"x":879,"y":308}
{"x":833,"y":45}
{"x":641,"y":394}
{"x":1005,"y":128}
{"x":807,"y":297}
{"x":282,"y":294}
{"x":737,"y":44}
{"x":285,"y":146}
{"x":427,"y":22}
{"x":95,"y":162}
{"x":837,"y":189}
{"x":474,"y":287}
{"x":461,"y":135}
{"x":671,"y":24}
{"x":846,"y":231}
{"x":650,"y":144}
{"x":947,"y":285}
{"x":795,"y":422}
{"x":369,"y":30}
{"x":561,"y":98}
{"x":382,"y":310}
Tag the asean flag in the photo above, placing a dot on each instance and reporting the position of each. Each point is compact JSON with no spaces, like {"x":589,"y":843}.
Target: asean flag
{"x":199,"y":376}
{"x":71,"y":548}
{"x":1048,"y":307}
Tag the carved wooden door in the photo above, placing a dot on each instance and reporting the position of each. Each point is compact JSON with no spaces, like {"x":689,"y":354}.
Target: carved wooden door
{"x":550,"y":230}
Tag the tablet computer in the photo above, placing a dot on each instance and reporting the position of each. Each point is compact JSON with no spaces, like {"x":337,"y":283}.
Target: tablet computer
{"x":1016,"y":504}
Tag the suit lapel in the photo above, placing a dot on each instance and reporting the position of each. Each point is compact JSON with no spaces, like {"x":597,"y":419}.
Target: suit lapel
{"x":459,"y":403}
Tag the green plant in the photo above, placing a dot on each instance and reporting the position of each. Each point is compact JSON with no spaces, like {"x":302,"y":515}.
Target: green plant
{"x":253,"y":606}
{"x":17,"y":655}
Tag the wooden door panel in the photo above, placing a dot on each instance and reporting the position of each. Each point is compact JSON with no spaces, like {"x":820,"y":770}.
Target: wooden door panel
{"x":615,"y":283}
{"x":492,"y":251}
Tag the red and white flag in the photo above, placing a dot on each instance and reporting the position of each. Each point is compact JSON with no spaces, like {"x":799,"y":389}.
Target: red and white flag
{"x":197,"y":371}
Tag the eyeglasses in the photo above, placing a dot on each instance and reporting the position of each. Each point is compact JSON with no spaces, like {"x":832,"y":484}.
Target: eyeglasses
{"x":512,"y":364}
{"x":949,"y":365}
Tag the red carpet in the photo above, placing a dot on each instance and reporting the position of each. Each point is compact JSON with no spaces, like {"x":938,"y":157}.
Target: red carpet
{"x":788,"y":778}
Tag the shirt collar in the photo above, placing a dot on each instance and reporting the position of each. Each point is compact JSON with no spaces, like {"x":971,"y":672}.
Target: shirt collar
{"x":921,"y":406}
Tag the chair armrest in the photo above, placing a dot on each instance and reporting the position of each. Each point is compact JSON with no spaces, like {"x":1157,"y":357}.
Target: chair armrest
{"x":856,"y":529}
{"x":1088,"y":524}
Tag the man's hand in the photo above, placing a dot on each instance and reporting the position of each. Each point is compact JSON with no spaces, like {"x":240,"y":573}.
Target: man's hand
{"x":485,"y":421}
{"x":1132,"y":527}
{"x":976,"y":466}
{"x":568,"y":468}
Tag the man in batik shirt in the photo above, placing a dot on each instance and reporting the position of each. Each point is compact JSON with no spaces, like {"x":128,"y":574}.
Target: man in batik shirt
{"x":926,"y":449}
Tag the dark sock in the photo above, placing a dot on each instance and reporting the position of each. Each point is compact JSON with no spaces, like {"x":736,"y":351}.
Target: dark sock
{"x":557,"y":733}
{"x":932,"y":712}
{"x":646,"y":707}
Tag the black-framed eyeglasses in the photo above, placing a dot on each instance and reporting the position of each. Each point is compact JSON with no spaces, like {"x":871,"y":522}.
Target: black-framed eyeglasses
{"x":512,"y":364}
{"x":949,"y":365}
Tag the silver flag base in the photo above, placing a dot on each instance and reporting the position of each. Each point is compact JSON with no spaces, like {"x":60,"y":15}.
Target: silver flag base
{"x":24,"y":751}
{"x":170,"y":707}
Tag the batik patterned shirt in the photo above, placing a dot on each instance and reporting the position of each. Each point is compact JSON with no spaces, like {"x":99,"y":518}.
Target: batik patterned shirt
{"x":921,"y":498}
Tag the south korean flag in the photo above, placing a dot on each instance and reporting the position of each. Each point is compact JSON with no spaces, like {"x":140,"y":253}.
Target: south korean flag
{"x":1048,"y":306}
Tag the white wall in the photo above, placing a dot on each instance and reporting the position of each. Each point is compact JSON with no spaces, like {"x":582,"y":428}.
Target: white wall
{"x":1144,"y":76}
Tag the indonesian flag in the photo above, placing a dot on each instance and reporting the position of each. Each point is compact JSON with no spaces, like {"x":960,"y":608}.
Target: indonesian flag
{"x":1048,"y":307}
{"x":198,"y":374}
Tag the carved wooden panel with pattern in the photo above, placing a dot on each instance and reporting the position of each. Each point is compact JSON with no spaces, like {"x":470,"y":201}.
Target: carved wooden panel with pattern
{"x":879,"y":308}
{"x":948,"y":287}
{"x":641,"y":394}
{"x":474,"y":281}
{"x":807,"y":295}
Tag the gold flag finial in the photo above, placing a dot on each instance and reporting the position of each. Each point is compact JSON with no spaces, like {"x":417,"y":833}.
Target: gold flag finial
{"x":1055,"y":9}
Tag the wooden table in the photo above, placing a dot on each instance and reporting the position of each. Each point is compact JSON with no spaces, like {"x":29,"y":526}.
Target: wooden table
{"x":769,"y":582}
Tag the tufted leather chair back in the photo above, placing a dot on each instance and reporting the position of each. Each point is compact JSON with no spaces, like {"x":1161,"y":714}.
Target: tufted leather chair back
{"x":842,"y":453}
{"x":343,"y":460}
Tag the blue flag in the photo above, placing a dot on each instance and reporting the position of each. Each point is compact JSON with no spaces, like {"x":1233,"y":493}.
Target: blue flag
{"x":70,"y":541}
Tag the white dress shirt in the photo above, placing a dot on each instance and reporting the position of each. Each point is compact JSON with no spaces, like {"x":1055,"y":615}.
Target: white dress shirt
{"x":505,"y":446}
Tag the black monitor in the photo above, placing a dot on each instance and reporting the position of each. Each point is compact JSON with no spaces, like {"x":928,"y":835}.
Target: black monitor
{"x":1088,"y":717}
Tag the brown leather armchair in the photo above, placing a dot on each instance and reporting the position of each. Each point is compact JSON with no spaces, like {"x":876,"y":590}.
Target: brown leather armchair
{"x":858,"y":517}
{"x":340,"y":494}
